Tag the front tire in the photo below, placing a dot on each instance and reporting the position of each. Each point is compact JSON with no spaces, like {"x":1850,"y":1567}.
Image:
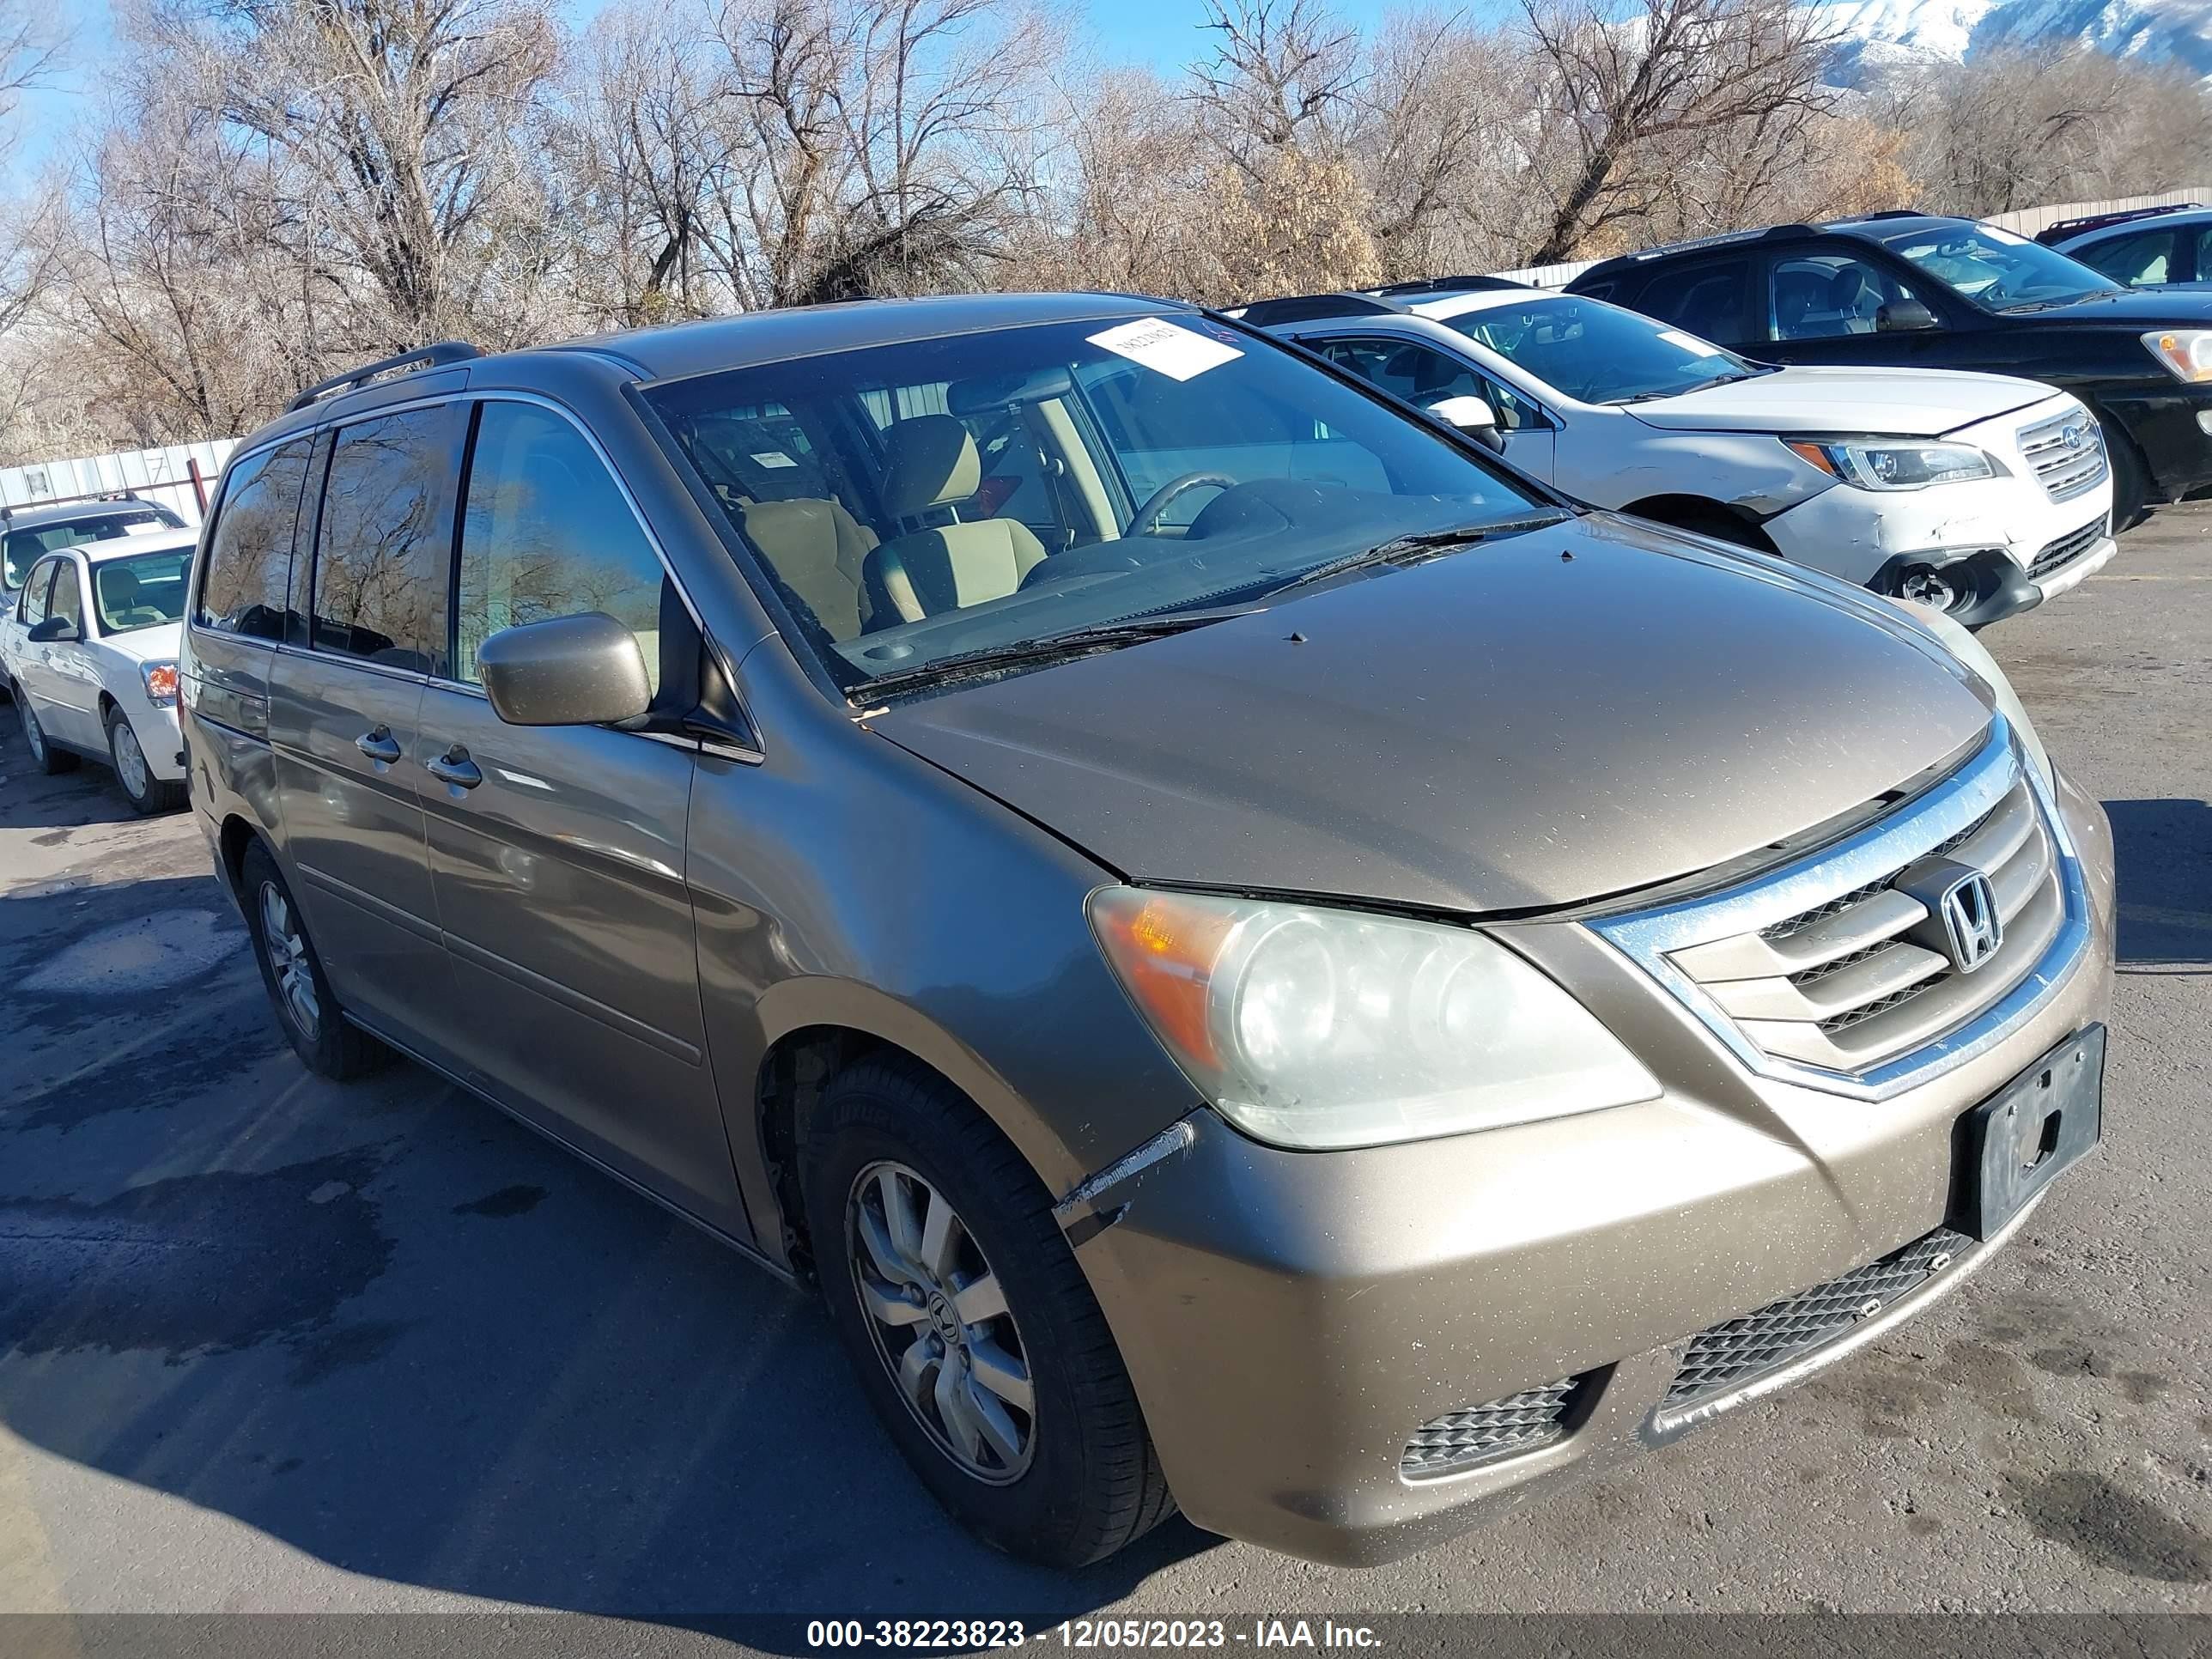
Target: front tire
{"x":50,"y":761}
{"x":2130,"y":479}
{"x":147,"y":793}
{"x":304,"y":1005}
{"x":974,"y":1332}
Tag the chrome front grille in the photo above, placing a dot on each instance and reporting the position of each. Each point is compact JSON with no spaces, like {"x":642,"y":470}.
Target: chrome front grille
{"x":2066,"y":549}
{"x":1832,"y":969}
{"x":2067,"y":452}
{"x":1735,"y":1354}
{"x":1479,"y":1434}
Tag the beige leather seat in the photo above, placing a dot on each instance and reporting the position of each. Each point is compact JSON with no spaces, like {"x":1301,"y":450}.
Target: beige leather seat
{"x":933,"y":464}
{"x":818,"y":549}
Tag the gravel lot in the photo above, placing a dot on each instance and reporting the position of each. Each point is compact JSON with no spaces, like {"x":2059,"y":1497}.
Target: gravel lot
{"x":268,"y":1344}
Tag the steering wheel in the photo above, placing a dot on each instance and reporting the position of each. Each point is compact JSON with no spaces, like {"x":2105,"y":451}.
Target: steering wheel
{"x":1148,"y":516}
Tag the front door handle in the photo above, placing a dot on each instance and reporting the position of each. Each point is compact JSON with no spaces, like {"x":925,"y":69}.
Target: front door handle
{"x":379,"y":745}
{"x":454,"y":766}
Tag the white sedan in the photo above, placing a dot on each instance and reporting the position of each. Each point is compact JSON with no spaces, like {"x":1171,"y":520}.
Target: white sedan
{"x":89,"y":650}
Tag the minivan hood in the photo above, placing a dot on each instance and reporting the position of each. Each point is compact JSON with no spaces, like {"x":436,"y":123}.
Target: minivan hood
{"x":1573,"y":712}
{"x":1900,"y":403}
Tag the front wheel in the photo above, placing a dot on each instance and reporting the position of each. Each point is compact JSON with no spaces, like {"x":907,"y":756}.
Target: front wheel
{"x":2130,"y":479}
{"x":975,"y":1333}
{"x":147,"y":793}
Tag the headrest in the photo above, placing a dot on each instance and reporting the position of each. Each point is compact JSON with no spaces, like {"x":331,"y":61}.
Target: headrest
{"x":933,"y":461}
{"x":1845,"y":286}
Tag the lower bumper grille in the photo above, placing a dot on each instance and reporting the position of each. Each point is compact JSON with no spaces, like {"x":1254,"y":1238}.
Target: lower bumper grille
{"x":1739,"y":1352}
{"x":2066,"y":549}
{"x":1478,"y":1434}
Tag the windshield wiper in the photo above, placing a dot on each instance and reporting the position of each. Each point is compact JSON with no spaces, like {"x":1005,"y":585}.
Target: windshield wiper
{"x":1046,"y":647}
{"x":1418,"y":548}
{"x":1728,"y":378}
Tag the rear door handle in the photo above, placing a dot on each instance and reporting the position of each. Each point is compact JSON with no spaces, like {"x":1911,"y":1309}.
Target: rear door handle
{"x":454,"y":766}
{"x":379,"y":745}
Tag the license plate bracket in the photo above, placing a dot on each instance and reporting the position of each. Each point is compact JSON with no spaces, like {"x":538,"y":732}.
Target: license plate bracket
{"x":2017,"y":1142}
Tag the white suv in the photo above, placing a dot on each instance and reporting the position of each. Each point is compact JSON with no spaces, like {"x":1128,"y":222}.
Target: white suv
{"x":89,"y":650}
{"x":1978,"y":493}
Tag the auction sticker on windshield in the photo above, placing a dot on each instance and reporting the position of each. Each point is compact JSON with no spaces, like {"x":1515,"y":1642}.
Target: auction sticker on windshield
{"x":1166,"y":349}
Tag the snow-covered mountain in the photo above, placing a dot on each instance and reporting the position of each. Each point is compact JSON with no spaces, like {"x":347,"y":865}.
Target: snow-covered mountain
{"x":1884,"y":33}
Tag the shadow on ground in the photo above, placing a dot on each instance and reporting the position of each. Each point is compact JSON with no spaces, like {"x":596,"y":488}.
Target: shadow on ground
{"x":386,"y":1325}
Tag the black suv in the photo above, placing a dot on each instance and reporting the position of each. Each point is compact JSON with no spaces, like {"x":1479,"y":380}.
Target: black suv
{"x":1910,"y":290}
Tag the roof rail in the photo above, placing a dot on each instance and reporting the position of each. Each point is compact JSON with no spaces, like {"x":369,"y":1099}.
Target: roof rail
{"x":1887,"y":213}
{"x":1441,"y":284}
{"x":2065,"y":227}
{"x":429,"y":356}
{"x":1305,"y":308}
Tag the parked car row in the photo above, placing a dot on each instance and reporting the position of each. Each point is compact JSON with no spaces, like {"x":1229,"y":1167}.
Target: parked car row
{"x":1263,"y":958}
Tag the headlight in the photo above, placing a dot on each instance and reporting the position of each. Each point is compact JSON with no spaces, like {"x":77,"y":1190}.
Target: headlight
{"x":1317,"y":1027}
{"x":160,"y":680}
{"x":2186,"y":351}
{"x":1954,"y":638}
{"x":1896,"y":464}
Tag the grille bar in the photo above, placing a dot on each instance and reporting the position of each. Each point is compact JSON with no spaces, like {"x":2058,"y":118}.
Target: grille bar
{"x":2066,"y":467}
{"x":2068,"y":548}
{"x":1519,"y":1423}
{"x":1735,"y":1354}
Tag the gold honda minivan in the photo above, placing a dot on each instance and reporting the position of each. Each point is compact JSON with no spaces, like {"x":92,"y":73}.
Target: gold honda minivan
{"x":1262,"y":960}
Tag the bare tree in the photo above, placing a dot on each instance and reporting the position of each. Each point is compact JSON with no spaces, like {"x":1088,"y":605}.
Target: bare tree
{"x":1629,"y":94}
{"x":1281,"y":76}
{"x":404,"y":118}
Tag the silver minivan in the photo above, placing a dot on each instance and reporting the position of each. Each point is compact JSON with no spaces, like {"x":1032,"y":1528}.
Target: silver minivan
{"x":1263,"y":962}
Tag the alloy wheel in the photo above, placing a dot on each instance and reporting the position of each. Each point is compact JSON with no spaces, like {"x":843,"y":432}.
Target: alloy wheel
{"x":938,"y":1317}
{"x":130,"y":760}
{"x":288,"y":960}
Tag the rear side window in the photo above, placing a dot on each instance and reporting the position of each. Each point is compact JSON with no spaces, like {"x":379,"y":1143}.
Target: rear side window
{"x":381,"y":557}
{"x":249,"y":557}
{"x":1704,"y":300}
{"x":547,"y":532}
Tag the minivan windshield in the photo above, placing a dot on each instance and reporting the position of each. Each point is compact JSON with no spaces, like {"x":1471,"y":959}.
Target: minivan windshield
{"x":1593,"y":352}
{"x":1997,"y":270}
{"x":951,"y":498}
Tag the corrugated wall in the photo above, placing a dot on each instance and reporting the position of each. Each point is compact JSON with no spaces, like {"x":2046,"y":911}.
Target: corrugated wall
{"x":159,"y":474}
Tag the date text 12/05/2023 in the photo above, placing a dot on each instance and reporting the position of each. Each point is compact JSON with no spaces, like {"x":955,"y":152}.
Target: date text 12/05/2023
{"x":966,"y":1635}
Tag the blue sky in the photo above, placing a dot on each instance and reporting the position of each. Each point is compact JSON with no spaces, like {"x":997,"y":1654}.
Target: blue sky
{"x":1164,"y":32}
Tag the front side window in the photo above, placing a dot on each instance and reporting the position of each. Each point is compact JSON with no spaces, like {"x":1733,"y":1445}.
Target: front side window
{"x":547,"y":533}
{"x":383,"y":553}
{"x":1821,"y":296}
{"x":141,"y":592}
{"x":1168,"y":463}
{"x":1706,"y":300}
{"x":249,"y":557}
{"x":2141,"y":260}
{"x":1597,"y":353}
{"x":1995,"y":269}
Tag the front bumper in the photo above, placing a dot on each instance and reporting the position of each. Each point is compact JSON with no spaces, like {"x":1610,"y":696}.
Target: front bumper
{"x":2168,"y":426}
{"x":1291,"y":1320}
{"x":161,"y":739}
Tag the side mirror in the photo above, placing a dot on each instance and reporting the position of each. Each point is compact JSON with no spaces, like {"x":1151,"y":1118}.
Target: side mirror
{"x":55,"y":630}
{"x":1473,"y":416}
{"x":572,"y":670}
{"x":1903,"y":317}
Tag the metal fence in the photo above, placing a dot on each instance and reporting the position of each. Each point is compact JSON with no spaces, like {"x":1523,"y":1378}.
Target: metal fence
{"x":178,"y":477}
